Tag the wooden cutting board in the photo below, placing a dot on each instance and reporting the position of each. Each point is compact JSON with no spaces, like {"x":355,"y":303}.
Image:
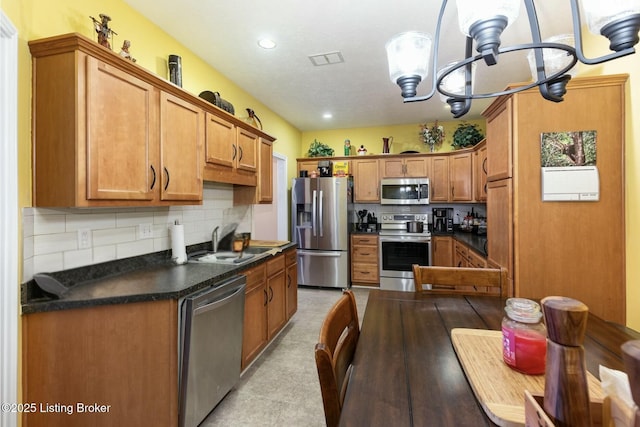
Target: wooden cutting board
{"x":498,"y":388}
{"x":268,"y":243}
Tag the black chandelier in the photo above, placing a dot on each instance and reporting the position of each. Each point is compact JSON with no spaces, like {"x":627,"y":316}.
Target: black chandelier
{"x":483,"y":23}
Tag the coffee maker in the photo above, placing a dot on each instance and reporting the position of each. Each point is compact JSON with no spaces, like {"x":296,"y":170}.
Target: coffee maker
{"x":443,"y":220}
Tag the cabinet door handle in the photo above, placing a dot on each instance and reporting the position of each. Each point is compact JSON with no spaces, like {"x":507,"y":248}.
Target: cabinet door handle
{"x":166,"y":171}
{"x":271,"y":292}
{"x":365,"y":254}
{"x":153,"y":183}
{"x":235,"y":152}
{"x":266,"y":298}
{"x":288,"y":280}
{"x":484,"y":166}
{"x":240,"y":148}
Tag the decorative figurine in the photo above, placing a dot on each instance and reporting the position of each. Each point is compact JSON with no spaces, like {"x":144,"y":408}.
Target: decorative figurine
{"x":347,"y":147}
{"x":362,"y":151}
{"x":103,"y":30}
{"x":124,"y":52}
{"x":253,"y":119}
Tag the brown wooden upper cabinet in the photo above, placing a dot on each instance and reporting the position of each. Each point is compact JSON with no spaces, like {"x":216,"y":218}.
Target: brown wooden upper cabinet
{"x":499,"y":147}
{"x":231,"y":153}
{"x":366,"y":181}
{"x":107,"y":132}
{"x":480,"y":172}
{"x":182,"y":136}
{"x":103,"y":135}
{"x":439,"y":179}
{"x":460,"y":177}
{"x":408,"y":166}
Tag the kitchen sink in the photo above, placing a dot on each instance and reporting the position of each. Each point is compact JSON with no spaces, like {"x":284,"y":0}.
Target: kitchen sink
{"x":251,"y":253}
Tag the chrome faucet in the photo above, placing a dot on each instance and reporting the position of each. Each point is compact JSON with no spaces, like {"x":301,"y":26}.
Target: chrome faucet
{"x":214,"y":239}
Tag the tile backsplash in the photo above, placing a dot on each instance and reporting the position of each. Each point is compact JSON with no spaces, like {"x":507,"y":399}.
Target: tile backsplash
{"x":60,"y":239}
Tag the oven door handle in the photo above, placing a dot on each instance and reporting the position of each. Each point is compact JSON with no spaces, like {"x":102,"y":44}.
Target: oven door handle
{"x":404,"y":239}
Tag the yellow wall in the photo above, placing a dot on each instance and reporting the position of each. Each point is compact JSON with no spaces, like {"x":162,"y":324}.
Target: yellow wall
{"x":405,"y":138}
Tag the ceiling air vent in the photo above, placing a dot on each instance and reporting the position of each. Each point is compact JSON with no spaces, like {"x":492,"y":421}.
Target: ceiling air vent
{"x":328,"y":58}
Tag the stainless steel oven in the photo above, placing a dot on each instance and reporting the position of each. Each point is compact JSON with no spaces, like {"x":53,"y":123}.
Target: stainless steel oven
{"x":400,"y":249}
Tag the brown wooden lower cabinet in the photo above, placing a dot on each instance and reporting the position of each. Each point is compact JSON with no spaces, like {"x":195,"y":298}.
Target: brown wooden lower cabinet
{"x":271,"y":298}
{"x":111,"y":365}
{"x":117,"y":365}
{"x":254,"y":337}
{"x":442,"y":251}
{"x":277,"y":294}
{"x":291,"y":262}
{"x":364,"y":260}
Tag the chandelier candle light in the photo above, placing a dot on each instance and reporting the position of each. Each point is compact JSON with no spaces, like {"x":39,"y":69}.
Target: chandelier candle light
{"x":482,"y":22}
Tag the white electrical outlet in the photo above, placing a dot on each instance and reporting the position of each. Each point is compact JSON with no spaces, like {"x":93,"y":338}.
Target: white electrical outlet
{"x":145,"y":231}
{"x":84,"y":238}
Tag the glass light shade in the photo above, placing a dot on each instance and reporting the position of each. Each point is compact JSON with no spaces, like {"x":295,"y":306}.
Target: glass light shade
{"x":408,"y":55}
{"x":455,"y":82}
{"x":599,"y":13}
{"x":472,"y":11}
{"x":554,"y":59}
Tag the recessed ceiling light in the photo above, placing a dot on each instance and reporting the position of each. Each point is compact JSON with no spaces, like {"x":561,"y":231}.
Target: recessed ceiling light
{"x":266,"y":43}
{"x":327,"y":115}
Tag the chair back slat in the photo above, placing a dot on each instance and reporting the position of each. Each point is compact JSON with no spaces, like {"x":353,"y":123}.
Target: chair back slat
{"x":334,"y":352}
{"x":459,"y":280}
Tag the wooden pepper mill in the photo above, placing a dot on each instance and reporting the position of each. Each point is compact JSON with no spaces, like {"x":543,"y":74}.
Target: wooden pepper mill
{"x":631,"y":358}
{"x":566,"y":391}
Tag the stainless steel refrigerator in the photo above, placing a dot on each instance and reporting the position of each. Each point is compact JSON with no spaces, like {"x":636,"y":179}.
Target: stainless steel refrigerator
{"x":321,"y":208}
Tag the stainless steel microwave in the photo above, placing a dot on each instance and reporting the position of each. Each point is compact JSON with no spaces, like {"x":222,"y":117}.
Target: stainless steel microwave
{"x":404,"y":191}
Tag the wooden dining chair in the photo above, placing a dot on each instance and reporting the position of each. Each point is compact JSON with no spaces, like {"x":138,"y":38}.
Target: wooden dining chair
{"x":460,"y":280}
{"x":334,"y":352}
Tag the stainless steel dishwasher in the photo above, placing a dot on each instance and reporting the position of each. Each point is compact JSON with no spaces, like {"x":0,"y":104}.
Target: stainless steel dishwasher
{"x":210,"y":347}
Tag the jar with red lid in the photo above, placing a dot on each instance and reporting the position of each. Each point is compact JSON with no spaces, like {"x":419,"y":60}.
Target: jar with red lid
{"x":524,"y":336}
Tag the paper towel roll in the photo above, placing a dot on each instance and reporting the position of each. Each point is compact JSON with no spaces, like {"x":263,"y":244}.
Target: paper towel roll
{"x":178,"y":249}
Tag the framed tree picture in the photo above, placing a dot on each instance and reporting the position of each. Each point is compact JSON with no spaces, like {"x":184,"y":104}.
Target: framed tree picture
{"x":568,"y":166}
{"x":562,"y":149}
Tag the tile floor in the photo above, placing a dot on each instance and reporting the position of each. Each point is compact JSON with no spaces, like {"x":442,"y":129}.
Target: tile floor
{"x":281,"y":387}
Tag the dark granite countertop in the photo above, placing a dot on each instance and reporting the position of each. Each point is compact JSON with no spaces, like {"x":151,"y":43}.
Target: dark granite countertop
{"x":146,"y":278}
{"x":474,"y":241}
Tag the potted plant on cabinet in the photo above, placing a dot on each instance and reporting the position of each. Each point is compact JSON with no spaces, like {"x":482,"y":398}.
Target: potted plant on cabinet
{"x":466,"y":135}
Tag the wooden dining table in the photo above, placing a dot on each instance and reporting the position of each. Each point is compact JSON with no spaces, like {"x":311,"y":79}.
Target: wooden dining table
{"x":405,"y":369}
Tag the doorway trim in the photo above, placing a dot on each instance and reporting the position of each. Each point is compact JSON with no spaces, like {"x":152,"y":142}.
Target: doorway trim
{"x":282,"y":207}
{"x":8,"y":217}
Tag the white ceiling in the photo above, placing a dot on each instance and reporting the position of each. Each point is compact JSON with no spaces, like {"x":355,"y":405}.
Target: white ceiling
{"x":357,"y":92}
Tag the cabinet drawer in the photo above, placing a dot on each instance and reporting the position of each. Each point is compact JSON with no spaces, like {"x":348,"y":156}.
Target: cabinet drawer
{"x":367,"y":254}
{"x":255,"y":277}
{"x":275,"y":265}
{"x":364,"y":240}
{"x":476,"y":260}
{"x":460,"y":248}
{"x":367,"y":273}
{"x":290,"y":257}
